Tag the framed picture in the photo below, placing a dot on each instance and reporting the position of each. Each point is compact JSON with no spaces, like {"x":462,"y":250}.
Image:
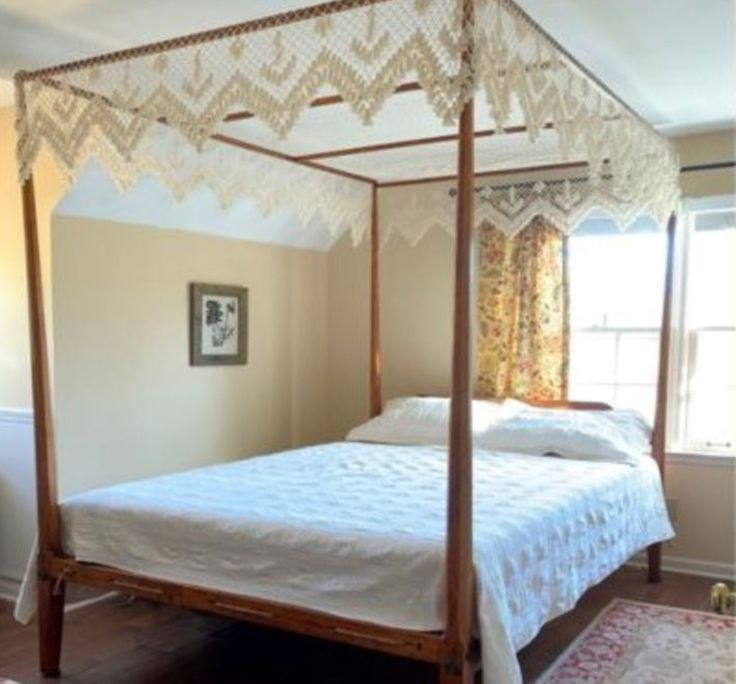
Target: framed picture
{"x":218,"y":325}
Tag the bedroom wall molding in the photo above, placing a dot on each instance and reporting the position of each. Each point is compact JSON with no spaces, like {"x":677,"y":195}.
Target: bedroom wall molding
{"x":690,"y":566}
{"x":9,"y":588}
{"x":727,"y":461}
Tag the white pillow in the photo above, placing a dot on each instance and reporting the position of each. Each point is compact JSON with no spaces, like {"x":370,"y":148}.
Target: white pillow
{"x":618,"y":436}
{"x":425,"y":420}
{"x":509,"y":425}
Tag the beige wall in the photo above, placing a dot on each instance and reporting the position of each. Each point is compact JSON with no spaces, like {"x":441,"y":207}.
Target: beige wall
{"x":348,"y":336}
{"x":416,"y":310}
{"x":128,"y":404}
{"x":15,"y":386}
{"x":705,"y":496}
{"x":703,"y":149}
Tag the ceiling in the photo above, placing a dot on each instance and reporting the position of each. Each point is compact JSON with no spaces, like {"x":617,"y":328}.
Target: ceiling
{"x":657,"y":54}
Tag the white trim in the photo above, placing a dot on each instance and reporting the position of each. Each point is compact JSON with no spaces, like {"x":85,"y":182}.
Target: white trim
{"x":703,"y":459}
{"x":9,"y":588}
{"x":90,"y":601}
{"x":16,"y":416}
{"x":690,"y":566}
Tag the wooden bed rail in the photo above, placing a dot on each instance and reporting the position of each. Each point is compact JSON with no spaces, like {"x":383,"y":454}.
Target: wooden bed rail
{"x":567,"y":404}
{"x":423,"y":646}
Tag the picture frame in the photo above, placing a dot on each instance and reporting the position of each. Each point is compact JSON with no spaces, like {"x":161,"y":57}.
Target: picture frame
{"x":218,"y":325}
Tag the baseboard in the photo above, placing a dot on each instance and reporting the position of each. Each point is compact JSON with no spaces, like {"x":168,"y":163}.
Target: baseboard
{"x":9,"y":588}
{"x":80,"y":597}
{"x":691,"y":566}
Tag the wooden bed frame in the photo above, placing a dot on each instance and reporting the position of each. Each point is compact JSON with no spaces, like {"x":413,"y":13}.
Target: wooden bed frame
{"x":453,"y":649}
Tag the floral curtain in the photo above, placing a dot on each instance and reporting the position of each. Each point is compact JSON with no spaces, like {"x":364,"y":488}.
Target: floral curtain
{"x":522,"y":347}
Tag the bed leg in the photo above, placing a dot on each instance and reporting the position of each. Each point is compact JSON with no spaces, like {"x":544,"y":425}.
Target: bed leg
{"x":452,"y":673}
{"x":654,"y":563}
{"x":50,"y":625}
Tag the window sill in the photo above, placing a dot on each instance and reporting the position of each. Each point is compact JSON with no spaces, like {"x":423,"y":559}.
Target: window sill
{"x":703,"y":458}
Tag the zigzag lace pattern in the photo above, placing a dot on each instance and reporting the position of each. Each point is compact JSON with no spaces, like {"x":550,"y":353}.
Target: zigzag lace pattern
{"x":511,"y":205}
{"x":119,"y":110}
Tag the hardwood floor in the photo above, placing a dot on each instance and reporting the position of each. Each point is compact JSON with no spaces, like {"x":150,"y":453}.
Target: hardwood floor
{"x":136,"y":642}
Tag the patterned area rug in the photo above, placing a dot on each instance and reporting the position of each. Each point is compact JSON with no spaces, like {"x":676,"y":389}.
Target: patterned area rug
{"x":640,"y":643}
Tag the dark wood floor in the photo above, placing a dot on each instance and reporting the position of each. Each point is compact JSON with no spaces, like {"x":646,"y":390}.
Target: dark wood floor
{"x":142,"y":643}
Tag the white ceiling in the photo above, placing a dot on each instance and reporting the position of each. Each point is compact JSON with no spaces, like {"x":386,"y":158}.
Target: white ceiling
{"x":672,"y":60}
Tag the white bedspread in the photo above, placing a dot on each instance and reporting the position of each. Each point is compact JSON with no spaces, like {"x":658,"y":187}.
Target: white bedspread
{"x":357,"y":530}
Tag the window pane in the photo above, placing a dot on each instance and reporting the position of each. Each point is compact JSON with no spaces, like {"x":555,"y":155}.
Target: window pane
{"x":711,"y":279}
{"x":616,"y":280}
{"x":710,"y":420}
{"x":638,"y":357}
{"x":590,"y":392}
{"x":616,"y":288}
{"x":715,"y":358}
{"x":592,"y":357}
{"x":640,"y":398}
{"x":710,"y":323}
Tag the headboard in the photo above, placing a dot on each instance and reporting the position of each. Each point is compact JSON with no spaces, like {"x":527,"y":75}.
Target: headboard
{"x":557,"y":403}
{"x":565,"y":404}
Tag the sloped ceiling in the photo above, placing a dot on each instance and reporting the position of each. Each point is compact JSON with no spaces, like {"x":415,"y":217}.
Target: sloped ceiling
{"x":95,"y":196}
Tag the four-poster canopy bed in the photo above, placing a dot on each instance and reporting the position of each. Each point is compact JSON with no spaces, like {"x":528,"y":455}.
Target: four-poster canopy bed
{"x":172,"y":109}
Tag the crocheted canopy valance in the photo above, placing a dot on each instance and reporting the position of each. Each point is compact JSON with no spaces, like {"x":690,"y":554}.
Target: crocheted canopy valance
{"x":510,"y":205}
{"x":170,"y":109}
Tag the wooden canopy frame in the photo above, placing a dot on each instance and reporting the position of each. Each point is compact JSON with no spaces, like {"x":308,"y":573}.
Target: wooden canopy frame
{"x":452,"y":649}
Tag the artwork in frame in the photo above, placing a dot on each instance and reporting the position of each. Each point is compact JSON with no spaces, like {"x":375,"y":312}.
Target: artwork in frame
{"x":218,"y":325}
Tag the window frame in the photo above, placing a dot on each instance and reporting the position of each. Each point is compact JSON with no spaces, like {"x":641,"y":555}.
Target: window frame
{"x":681,"y":359}
{"x":682,"y":364}
{"x":618,"y":331}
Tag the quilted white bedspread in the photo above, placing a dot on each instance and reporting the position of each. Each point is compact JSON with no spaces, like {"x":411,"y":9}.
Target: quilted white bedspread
{"x":357,"y":530}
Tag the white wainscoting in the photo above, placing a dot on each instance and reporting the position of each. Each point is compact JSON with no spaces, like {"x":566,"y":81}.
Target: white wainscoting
{"x":690,"y":566}
{"x":17,"y":496}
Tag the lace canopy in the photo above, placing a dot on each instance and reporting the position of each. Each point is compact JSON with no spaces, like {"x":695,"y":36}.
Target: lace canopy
{"x":170,"y":110}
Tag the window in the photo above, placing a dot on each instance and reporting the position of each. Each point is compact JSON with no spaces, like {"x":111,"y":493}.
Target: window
{"x":616,"y":289}
{"x":706,"y":347}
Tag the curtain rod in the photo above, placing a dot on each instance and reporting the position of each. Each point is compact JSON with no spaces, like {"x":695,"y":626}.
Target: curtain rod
{"x":709,"y":166}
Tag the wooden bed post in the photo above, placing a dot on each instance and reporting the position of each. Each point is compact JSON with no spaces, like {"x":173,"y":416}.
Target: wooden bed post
{"x":459,"y":667}
{"x":659,"y":433}
{"x":50,"y":592}
{"x":375,"y":361}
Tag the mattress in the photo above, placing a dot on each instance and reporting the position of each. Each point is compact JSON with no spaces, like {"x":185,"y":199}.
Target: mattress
{"x":357,"y":530}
